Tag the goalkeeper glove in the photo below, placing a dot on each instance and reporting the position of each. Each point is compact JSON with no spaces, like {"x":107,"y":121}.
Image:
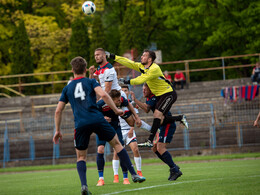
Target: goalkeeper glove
{"x":110,"y":55}
{"x":122,"y":81}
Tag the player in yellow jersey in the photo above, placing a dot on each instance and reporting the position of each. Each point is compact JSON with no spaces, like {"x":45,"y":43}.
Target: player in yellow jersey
{"x":160,"y":87}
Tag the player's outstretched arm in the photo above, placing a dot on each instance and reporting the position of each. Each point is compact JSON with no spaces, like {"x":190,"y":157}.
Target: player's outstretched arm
{"x":58,"y":118}
{"x":124,"y":61}
{"x":104,"y":95}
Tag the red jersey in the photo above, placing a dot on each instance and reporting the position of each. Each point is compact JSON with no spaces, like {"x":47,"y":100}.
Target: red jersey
{"x":179,"y":76}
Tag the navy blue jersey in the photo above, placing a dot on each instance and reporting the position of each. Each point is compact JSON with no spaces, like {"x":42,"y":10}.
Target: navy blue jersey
{"x":151,"y":101}
{"x":107,"y":111}
{"x":82,"y":97}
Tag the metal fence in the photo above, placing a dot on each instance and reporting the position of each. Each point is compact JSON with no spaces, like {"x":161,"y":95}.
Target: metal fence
{"x":211,"y":125}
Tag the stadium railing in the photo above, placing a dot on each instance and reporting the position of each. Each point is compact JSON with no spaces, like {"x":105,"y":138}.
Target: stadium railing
{"x":122,"y":72}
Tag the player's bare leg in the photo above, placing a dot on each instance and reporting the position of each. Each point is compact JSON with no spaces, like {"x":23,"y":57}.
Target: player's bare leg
{"x":124,"y":158}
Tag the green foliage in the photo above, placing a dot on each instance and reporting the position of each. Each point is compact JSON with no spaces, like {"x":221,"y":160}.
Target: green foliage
{"x":79,"y":41}
{"x":202,"y":29}
{"x":21,"y":58}
{"x":132,"y":34}
{"x":22,"y":62}
{"x":98,"y":37}
{"x":181,"y":29}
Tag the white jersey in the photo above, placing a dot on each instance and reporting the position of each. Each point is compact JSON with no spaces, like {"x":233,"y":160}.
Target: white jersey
{"x":125,"y":128}
{"x":124,"y":125}
{"x":107,"y":73}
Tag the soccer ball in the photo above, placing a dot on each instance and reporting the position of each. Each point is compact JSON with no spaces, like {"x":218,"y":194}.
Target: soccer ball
{"x":88,"y":7}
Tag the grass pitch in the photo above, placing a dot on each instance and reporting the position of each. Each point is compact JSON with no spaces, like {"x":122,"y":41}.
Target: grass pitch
{"x":235,"y":176}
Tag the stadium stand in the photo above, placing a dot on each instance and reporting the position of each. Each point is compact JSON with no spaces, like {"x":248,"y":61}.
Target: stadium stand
{"x":215,"y":126}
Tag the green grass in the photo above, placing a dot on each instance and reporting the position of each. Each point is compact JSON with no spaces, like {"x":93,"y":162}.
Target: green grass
{"x":236,"y":176}
{"x":145,"y":161}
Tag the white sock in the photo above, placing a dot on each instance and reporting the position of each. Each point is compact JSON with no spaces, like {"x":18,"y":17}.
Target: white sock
{"x":138,"y":163}
{"x":115,"y":166}
{"x":145,"y":126}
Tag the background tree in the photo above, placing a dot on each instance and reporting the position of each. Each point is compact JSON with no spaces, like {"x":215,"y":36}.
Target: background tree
{"x":79,"y":40}
{"x":181,"y":29}
{"x":97,"y":37}
{"x":132,"y":34}
{"x":209,"y":29}
{"x":22,"y":62}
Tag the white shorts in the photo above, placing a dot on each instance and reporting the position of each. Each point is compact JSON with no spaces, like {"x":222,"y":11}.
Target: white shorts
{"x":126,"y":139}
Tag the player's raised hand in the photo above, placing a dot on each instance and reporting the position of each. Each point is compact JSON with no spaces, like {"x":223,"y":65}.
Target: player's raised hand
{"x":256,"y":123}
{"x":110,"y":55}
{"x":92,"y":69}
{"x":122,"y":81}
{"x":132,"y":95}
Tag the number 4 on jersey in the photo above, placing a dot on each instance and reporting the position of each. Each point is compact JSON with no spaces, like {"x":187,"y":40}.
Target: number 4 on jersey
{"x":79,"y":92}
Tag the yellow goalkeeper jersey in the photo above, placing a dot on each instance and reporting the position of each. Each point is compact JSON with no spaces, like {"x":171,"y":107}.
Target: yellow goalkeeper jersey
{"x":153,"y":76}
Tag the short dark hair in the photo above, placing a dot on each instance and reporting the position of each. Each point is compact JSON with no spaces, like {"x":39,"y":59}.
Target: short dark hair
{"x":78,"y":64}
{"x":114,"y":93}
{"x":100,"y":49}
{"x":151,"y":54}
{"x":125,"y":86}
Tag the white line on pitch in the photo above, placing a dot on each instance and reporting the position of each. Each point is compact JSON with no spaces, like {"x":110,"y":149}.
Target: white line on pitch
{"x":149,"y":187}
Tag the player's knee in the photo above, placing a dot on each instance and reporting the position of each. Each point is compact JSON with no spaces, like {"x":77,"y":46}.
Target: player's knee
{"x":136,"y":152}
{"x":154,"y":148}
{"x":157,"y":114}
{"x":115,"y":143}
{"x":161,"y":149}
{"x":81,"y":157}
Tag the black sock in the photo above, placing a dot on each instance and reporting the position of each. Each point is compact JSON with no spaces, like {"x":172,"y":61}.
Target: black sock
{"x":82,"y":169}
{"x":156,"y":125}
{"x":171,"y":119}
{"x":124,"y":159}
{"x":100,"y":162}
{"x":168,"y":160}
{"x":160,"y":156}
{"x":123,"y":167}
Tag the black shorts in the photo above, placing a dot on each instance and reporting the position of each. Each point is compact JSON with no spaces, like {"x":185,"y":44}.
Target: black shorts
{"x":165,"y":102}
{"x":126,"y":115}
{"x":117,"y":128}
{"x":82,"y":135}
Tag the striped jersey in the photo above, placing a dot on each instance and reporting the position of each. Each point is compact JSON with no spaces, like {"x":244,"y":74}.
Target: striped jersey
{"x":107,"y":73}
